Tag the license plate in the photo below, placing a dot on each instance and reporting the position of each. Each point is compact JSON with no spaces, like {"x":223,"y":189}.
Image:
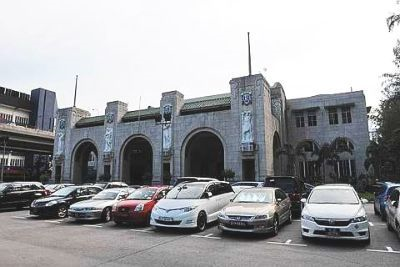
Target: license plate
{"x":238,"y":223}
{"x":167,"y":219}
{"x":332,"y":232}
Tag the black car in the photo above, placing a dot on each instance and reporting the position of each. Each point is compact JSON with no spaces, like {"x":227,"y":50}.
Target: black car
{"x":292,"y":186}
{"x":57,"y":204}
{"x":20,"y":194}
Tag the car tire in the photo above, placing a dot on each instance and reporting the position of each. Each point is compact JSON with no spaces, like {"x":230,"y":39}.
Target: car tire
{"x":304,"y":237}
{"x":290,"y":219}
{"x":106,"y":215}
{"x":389,"y":226}
{"x":376,"y":212}
{"x":275,"y":226}
{"x":118,"y":223}
{"x":62,"y":211}
{"x":201,"y":221}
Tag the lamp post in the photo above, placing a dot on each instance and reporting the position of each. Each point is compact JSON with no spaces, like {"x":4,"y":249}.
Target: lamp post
{"x":3,"y":139}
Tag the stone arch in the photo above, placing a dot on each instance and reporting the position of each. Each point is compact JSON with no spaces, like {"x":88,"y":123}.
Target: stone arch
{"x":137,"y":160}
{"x":85,"y":159}
{"x":203,"y":153}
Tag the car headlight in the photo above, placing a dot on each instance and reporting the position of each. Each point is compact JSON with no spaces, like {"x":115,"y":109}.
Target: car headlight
{"x":261,"y":217}
{"x":139,"y":207}
{"x":51,"y":203}
{"x":114,"y":207}
{"x":187,"y":209}
{"x":359,"y":219}
{"x":33,"y":203}
{"x":307,"y":217}
{"x":222,"y":214}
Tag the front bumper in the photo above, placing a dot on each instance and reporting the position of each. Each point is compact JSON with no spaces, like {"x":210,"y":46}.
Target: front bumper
{"x":174,"y":218}
{"x":85,"y":215}
{"x":44,"y":211}
{"x":251,"y":226}
{"x":353,"y":231}
{"x":135,"y":217}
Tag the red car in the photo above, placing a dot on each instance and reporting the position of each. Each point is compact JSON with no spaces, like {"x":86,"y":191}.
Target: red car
{"x":136,"y":208}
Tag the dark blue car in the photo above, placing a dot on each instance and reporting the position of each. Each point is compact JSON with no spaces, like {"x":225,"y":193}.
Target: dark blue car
{"x":385,"y":188}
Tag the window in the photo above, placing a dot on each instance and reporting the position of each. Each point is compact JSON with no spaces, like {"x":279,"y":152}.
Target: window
{"x":299,"y":119}
{"x":333,"y":116}
{"x":312,"y":118}
{"x":346,"y":115}
{"x":346,"y":168}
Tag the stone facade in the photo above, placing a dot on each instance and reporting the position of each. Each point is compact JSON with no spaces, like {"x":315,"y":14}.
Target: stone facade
{"x":250,"y":124}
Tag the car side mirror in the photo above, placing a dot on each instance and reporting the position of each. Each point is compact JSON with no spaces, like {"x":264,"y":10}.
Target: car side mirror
{"x":279,"y":200}
{"x":303,"y":201}
{"x":231,"y":200}
{"x":209,"y":194}
{"x":364,"y":201}
{"x":395,"y":204}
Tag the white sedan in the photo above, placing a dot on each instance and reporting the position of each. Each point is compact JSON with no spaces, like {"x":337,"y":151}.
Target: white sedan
{"x":334,"y":211}
{"x":192,"y":205}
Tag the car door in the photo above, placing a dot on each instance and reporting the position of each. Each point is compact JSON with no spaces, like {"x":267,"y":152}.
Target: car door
{"x":283,"y":206}
{"x":226,"y":194}
{"x":6,"y":199}
{"x":394,"y":196}
{"x":212,"y":203}
{"x":13,"y":196}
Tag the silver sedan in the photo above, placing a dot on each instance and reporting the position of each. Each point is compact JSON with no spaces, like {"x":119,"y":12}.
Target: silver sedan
{"x":99,"y":207}
{"x":256,"y":210}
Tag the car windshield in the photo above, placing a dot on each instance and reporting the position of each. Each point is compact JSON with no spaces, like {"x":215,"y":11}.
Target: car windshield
{"x":333,"y":196}
{"x":286,"y":184}
{"x":51,"y":186}
{"x":142,"y":194}
{"x":106,"y":195}
{"x":251,"y":196}
{"x":63,"y":192}
{"x":186,"y":191}
{"x":245,"y":184}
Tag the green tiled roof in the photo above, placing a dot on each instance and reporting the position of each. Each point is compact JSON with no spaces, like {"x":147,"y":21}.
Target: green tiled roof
{"x":90,"y":121}
{"x":207,"y":103}
{"x":194,"y":105}
{"x":149,"y":113}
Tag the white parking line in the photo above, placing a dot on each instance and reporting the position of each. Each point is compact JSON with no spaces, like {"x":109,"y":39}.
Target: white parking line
{"x":388,"y":250}
{"x":371,"y":224}
{"x":286,"y":244}
{"x":288,"y":241}
{"x":209,"y":236}
{"x":142,"y":230}
{"x":54,"y":221}
{"x":20,"y":217}
{"x":93,"y":225}
{"x":296,"y":220}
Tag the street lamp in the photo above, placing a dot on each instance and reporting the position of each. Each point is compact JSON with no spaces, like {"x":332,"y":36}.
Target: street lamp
{"x":3,"y":140}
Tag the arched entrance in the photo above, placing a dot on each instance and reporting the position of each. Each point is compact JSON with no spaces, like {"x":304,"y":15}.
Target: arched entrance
{"x":137,"y":162}
{"x":85,"y":163}
{"x":204,"y":155}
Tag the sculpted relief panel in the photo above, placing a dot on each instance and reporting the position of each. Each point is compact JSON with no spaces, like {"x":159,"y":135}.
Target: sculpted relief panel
{"x":247,"y":127}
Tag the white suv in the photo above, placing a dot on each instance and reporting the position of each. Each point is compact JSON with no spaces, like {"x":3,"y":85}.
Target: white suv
{"x":192,"y":205}
{"x":393,"y":211}
{"x":334,"y":211}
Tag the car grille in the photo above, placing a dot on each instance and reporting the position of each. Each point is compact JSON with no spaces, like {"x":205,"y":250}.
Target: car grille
{"x":329,"y":222}
{"x":40,"y":204}
{"x":123,"y":209}
{"x":240,"y":218}
{"x":321,"y":232}
{"x":235,"y":226}
{"x":168,"y":222}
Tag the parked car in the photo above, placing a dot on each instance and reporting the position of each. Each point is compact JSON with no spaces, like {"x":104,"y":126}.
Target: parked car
{"x":107,"y":185}
{"x":51,"y":188}
{"x":238,"y":188}
{"x":335,"y":211}
{"x":180,"y":180}
{"x":192,"y":205}
{"x":292,"y":186}
{"x":57,"y":204}
{"x":20,"y":194}
{"x":248,"y":183}
{"x":137,"y":207}
{"x":393,"y":211}
{"x":256,"y":210}
{"x":99,"y":207}
{"x":381,"y":197}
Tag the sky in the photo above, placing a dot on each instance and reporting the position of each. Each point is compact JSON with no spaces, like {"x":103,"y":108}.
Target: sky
{"x":133,"y":51}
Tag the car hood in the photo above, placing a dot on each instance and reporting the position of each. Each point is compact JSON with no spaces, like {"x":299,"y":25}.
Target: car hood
{"x":335,"y":211}
{"x":48,"y":199}
{"x":248,"y":208}
{"x":170,"y":204}
{"x":132,"y":203}
{"x":93,"y":204}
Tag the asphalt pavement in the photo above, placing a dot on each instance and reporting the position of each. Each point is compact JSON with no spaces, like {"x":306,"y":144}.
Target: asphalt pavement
{"x":29,"y":241}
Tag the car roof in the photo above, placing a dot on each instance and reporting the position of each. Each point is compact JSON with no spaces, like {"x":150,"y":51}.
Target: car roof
{"x":117,"y":190}
{"x":197,"y":178}
{"x":261,"y":189}
{"x":334,"y":186}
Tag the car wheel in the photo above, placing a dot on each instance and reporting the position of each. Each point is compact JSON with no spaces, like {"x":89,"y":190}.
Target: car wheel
{"x":376,"y":211}
{"x":275,"y":226}
{"x":118,"y":223}
{"x":201,"y":221}
{"x":304,"y":237}
{"x":290,"y":219}
{"x":106,"y":216}
{"x":62,"y":211}
{"x":389,"y":226}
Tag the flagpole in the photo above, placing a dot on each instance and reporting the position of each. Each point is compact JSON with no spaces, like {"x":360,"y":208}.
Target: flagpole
{"x":76,"y":87}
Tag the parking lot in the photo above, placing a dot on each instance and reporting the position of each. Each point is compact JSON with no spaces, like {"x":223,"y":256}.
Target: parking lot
{"x":29,"y":241}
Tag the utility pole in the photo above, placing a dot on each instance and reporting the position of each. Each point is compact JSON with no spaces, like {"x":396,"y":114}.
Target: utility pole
{"x":4,"y":139}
